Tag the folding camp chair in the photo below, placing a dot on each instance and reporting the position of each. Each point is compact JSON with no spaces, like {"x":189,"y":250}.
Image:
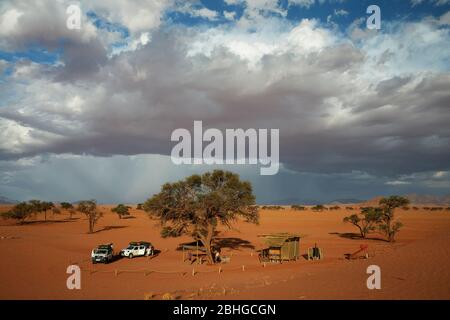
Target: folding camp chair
{"x":315,"y":253}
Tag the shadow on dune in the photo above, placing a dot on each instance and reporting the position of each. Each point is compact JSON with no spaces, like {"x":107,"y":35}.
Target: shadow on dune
{"x":233,"y":243}
{"x":45,"y":222}
{"x":356,"y":236}
{"x":106,"y":228}
{"x":128,"y":217}
{"x":223,"y":243}
{"x":118,"y":257}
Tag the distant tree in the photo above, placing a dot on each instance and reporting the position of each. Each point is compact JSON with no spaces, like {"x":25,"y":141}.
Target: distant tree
{"x":272,"y":208}
{"x":40,"y":206}
{"x":298,"y":207}
{"x":35,"y":207}
{"x":387,"y":223}
{"x":121,"y":210}
{"x":69,"y":207}
{"x":66,"y":205}
{"x":89,"y":208}
{"x":56,"y":211}
{"x":71,"y":213}
{"x":198,"y":204}
{"x":318,"y":207}
{"x":19,"y":212}
{"x":366,"y":221}
{"x":46,"y":206}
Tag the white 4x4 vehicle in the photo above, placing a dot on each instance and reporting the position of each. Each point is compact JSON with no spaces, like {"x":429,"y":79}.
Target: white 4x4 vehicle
{"x":137,"y":249}
{"x":104,"y":253}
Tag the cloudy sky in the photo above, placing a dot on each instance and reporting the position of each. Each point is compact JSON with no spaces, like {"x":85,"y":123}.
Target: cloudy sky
{"x":88,"y":113}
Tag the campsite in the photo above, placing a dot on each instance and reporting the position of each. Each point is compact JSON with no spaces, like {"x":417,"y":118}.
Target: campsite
{"x":37,"y":253}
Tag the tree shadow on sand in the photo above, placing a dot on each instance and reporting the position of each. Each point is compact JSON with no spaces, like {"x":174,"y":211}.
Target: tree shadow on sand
{"x":128,"y":217}
{"x":106,"y":228}
{"x":45,"y":222}
{"x":356,"y":236}
{"x":233,"y":243}
{"x":223,"y":243}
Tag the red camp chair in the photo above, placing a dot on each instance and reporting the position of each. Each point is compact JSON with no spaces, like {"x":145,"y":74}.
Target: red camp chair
{"x":357,"y":254}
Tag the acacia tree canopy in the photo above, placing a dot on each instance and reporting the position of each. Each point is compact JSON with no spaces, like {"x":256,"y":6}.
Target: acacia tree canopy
{"x":121,"y":210}
{"x":199,"y":203}
{"x":388,"y":225}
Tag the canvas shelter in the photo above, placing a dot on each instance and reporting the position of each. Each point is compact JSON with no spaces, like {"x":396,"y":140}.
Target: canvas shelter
{"x":280,"y":247}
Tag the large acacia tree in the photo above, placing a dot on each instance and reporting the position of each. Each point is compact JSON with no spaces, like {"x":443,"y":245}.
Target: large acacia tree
{"x":198,"y":204}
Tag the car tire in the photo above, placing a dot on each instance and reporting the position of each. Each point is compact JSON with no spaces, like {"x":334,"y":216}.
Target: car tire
{"x":130,"y":256}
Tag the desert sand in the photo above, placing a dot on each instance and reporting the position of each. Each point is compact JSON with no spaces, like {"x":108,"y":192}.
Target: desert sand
{"x":35,"y":257}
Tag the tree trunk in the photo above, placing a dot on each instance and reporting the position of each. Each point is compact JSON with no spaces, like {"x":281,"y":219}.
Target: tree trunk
{"x":361,"y":231}
{"x":389,"y":231}
{"x":209,"y":255}
{"x":391,"y":236}
{"x":91,"y":224}
{"x":207,"y":240}
{"x":45,"y":215}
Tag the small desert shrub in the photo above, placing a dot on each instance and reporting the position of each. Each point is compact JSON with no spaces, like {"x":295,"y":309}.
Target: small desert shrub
{"x":348,"y":208}
{"x":405,"y":208}
{"x":298,"y":207}
{"x":318,"y":207}
{"x":272,"y":208}
{"x":335,"y":208}
{"x":415,"y":208}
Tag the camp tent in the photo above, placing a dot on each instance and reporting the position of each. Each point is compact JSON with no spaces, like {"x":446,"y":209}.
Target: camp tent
{"x":280,"y":247}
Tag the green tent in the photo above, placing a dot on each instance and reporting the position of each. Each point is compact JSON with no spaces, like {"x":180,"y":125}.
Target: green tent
{"x":280,"y":247}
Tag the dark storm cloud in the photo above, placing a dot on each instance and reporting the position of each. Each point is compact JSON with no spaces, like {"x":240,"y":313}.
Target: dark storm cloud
{"x":333,"y":115}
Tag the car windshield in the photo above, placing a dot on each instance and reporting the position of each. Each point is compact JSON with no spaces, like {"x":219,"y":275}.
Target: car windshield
{"x":101,"y":252}
{"x":130,"y":247}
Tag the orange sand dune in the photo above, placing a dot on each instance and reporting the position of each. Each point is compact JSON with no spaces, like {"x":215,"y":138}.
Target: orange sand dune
{"x":35,"y":257}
